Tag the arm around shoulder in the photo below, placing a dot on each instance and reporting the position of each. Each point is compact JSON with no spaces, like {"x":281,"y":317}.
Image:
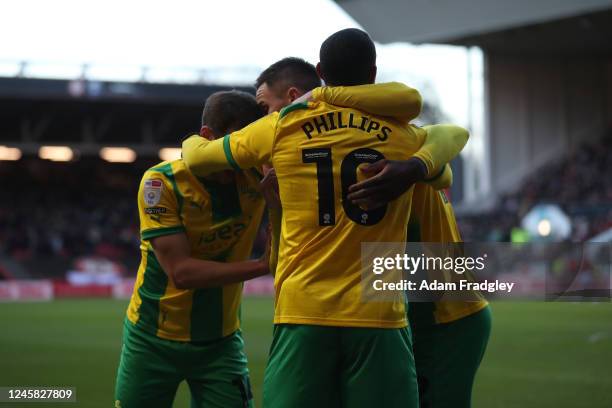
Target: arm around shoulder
{"x":204,"y":156}
{"x":442,"y":144}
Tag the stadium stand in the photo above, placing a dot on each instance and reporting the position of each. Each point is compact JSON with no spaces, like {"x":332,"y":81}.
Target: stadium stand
{"x":576,"y":182}
{"x":55,"y":213}
{"x":58,"y":212}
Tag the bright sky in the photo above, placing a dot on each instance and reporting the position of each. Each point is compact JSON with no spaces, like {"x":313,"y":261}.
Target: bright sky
{"x":232,"y":39}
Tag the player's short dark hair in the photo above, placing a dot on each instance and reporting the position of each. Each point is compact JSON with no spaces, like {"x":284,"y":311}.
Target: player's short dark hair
{"x":347,"y":57}
{"x":226,"y":111}
{"x":290,"y":71}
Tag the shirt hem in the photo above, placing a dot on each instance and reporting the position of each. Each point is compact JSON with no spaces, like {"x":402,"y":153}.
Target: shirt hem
{"x":464,"y":313}
{"x":166,"y":336}
{"x":318,"y":321}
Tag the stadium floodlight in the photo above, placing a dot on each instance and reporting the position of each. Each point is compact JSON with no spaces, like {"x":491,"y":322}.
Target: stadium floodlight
{"x":9,"y":153}
{"x":547,"y":222}
{"x":544,"y":227}
{"x":56,"y":153}
{"x":118,"y":154}
{"x":169,"y":153}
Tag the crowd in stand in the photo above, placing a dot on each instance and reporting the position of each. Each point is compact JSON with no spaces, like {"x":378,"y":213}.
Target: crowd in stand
{"x":71,"y":211}
{"x":68,"y":209}
{"x":88,"y":207}
{"x":580,"y":183}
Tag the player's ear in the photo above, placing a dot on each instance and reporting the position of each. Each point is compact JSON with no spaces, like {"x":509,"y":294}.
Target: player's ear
{"x":319,"y":72}
{"x":293,"y":93}
{"x":207,"y":133}
{"x":373,"y":74}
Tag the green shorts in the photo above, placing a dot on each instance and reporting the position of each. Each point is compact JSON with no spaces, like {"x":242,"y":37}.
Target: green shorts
{"x":447,"y":357}
{"x":151,"y":368}
{"x":321,"y":367}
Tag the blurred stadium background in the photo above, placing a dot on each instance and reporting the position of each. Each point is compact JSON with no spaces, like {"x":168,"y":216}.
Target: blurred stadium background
{"x":538,"y":167}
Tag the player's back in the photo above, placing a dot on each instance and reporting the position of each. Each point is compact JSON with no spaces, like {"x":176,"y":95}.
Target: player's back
{"x":220,"y":221}
{"x":432,"y":220}
{"x":316,"y":154}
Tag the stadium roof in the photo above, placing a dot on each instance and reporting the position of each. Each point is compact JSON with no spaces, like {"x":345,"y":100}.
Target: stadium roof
{"x":473,"y":22}
{"x":89,"y":115}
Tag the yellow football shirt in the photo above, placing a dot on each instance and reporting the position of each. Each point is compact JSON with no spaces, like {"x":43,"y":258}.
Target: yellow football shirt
{"x":396,"y":100}
{"x":433,"y":220}
{"x":315,"y":149}
{"x":221,"y":222}
{"x":392,"y":99}
{"x":432,"y":217}
{"x":318,"y":280}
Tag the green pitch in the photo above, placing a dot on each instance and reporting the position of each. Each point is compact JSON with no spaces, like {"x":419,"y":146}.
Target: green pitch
{"x":541,"y":354}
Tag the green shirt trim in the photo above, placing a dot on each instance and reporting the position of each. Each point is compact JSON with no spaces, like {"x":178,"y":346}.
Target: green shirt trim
{"x":166,"y":170}
{"x":228,"y":152}
{"x":158,"y":232}
{"x":295,"y":106}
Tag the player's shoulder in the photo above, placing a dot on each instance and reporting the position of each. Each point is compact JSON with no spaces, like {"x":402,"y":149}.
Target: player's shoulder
{"x":299,"y":111}
{"x":166,"y":170}
{"x":160,"y":180}
{"x":168,"y":166}
{"x":261,"y":126}
{"x":409,"y":129}
{"x":294,"y":107}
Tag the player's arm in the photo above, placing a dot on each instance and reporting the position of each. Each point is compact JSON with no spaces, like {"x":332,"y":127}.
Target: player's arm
{"x":243,"y":149}
{"x":442,"y":144}
{"x":161,"y":224}
{"x":173,"y":254}
{"x":389,"y":179}
{"x":392,"y":99}
{"x":204,"y":156}
{"x":443,"y":180}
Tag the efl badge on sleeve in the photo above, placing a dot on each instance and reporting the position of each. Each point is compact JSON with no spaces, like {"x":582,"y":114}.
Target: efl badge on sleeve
{"x":152,"y":191}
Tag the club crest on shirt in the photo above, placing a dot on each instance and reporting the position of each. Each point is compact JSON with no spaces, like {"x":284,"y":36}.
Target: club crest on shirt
{"x":152,"y":191}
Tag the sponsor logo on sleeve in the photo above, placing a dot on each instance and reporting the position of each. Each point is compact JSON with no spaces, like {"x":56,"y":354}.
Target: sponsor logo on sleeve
{"x":155,"y":210}
{"x":152,"y":191}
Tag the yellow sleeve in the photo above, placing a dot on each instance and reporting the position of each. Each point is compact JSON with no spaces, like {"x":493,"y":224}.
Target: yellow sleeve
{"x":388,"y":99}
{"x":203,"y":156}
{"x":444,"y":179}
{"x":442,"y":144}
{"x":158,"y":207}
{"x":252,"y":146}
{"x":245,"y":148}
